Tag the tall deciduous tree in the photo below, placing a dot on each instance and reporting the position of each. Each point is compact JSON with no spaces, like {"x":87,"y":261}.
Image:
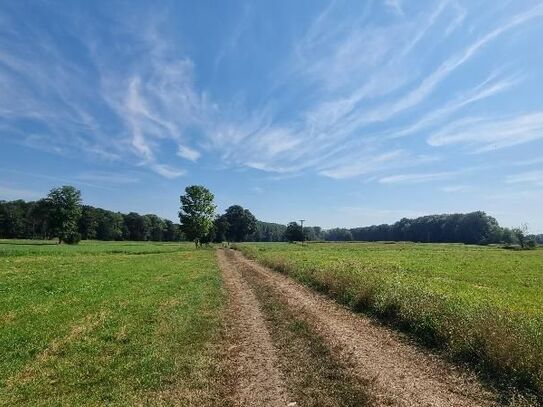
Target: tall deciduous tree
{"x":241,"y":223}
{"x":197,"y":213}
{"x":65,"y":203}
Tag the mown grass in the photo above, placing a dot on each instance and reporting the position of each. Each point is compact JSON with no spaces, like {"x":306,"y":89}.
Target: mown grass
{"x":96,"y":324}
{"x":483,"y":305}
{"x":50,"y":247}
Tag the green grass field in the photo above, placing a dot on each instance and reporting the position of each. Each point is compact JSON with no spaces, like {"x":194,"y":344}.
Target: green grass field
{"x":108,"y":323}
{"x":125,"y":323}
{"x":482,"y":304}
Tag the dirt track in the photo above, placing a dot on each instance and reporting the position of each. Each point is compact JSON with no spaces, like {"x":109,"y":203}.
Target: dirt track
{"x":393,"y":371}
{"x":259,"y":381}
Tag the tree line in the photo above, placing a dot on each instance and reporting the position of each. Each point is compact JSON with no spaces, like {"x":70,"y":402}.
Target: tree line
{"x":469,"y":228}
{"x":62,"y":215}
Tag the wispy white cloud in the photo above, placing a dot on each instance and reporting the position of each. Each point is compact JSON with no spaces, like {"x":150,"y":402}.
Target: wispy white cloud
{"x":373,"y":163}
{"x":529,"y":162}
{"x":65,"y":180}
{"x":486,"y":134}
{"x":534,"y":178}
{"x":488,"y":88}
{"x":188,"y":153}
{"x":365,"y":165}
{"x":107,"y":178}
{"x":167,"y":171}
{"x":334,"y":127}
{"x":231,"y":43}
{"x":429,"y":83}
{"x":417,"y":178}
{"x":395,"y":6}
{"x":349,"y":79}
{"x":102,"y":110}
{"x":460,"y":15}
{"x":455,"y":188}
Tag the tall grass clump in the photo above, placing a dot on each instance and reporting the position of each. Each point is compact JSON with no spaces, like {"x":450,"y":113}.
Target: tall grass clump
{"x":502,"y":344}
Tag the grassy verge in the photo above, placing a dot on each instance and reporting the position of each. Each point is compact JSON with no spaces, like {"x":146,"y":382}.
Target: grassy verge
{"x":482,"y":305}
{"x":95,"y":324}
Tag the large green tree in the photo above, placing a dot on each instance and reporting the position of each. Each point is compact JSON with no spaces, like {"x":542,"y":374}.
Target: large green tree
{"x":197,"y":213}
{"x":241,"y":223}
{"x":65,"y":204}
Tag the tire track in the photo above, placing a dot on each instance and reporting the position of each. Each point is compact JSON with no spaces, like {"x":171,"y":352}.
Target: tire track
{"x":252,"y":356}
{"x":400,"y":373}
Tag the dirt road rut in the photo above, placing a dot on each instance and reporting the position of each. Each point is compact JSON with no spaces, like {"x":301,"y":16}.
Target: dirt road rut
{"x":393,"y":371}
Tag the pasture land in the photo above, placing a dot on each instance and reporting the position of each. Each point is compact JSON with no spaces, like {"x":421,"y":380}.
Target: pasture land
{"x":483,"y":305}
{"x":109,"y":323}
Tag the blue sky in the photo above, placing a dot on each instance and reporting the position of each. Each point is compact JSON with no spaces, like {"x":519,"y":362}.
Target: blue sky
{"x":343,"y":113}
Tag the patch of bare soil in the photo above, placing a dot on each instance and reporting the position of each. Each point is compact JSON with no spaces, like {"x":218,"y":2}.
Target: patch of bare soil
{"x":398,"y":372}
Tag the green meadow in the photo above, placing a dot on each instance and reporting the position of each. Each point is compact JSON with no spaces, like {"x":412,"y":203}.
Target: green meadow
{"x":108,"y":323}
{"x":483,"y":305}
{"x":130,"y":323}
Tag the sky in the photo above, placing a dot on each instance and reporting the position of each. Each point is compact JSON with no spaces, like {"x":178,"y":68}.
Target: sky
{"x":343,"y":113}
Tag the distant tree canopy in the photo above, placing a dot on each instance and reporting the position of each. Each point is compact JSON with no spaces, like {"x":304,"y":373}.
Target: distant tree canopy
{"x":267,"y":232}
{"x":197,"y":213}
{"x":313,"y":233}
{"x":470,"y":228}
{"x":338,"y":235}
{"x":33,"y":220}
{"x":294,"y":233}
{"x":45,"y":219}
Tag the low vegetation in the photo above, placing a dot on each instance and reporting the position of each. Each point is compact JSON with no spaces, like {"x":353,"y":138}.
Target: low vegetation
{"x":109,"y":324}
{"x":483,"y":305}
